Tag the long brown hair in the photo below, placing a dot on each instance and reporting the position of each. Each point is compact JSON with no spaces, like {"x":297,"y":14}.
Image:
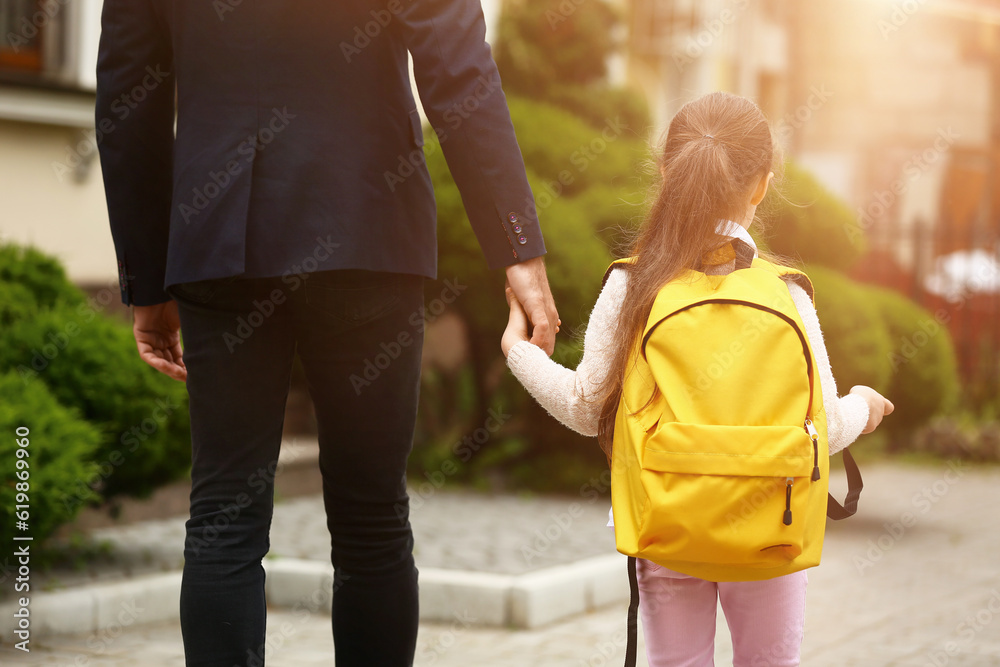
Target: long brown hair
{"x":717,"y":149}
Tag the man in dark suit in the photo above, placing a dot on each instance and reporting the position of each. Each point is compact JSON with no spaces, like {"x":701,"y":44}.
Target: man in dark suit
{"x":293,"y":213}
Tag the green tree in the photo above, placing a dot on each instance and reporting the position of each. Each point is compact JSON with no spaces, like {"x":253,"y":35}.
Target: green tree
{"x":546,"y":43}
{"x":557,"y":51}
{"x":52,"y":336}
{"x":56,"y":456}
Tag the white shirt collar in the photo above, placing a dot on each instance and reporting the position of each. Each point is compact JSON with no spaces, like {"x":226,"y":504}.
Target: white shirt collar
{"x":734,"y":230}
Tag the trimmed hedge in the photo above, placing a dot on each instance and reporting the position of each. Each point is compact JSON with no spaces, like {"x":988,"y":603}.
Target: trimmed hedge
{"x":958,"y":438}
{"x":60,"y":447}
{"x":42,"y":275}
{"x":878,"y":337}
{"x":924,"y":380}
{"x":599,"y":104}
{"x":569,"y":155}
{"x":51,"y":336}
{"x":90,"y":362}
{"x":856,"y":335}
{"x":582,"y":199}
{"x":16,"y":303}
{"x":807,"y":222}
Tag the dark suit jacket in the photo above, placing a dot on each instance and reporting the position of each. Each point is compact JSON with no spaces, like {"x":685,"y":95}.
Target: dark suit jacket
{"x":298,"y":143}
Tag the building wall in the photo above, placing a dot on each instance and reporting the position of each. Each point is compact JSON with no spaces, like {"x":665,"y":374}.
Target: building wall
{"x":872,"y":97}
{"x":46,"y":200}
{"x":683,"y":49}
{"x":50,"y":183}
{"x":858,"y":90}
{"x":44,"y":205}
{"x":893,"y":111}
{"x":870,"y":94}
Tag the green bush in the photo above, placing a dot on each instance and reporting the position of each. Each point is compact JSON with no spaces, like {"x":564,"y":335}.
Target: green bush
{"x":579,"y":214}
{"x":42,"y":275}
{"x":551,"y":52}
{"x":453,"y":407}
{"x":958,"y":438}
{"x":856,"y":335}
{"x":805,"y":221}
{"x":599,"y":104}
{"x":604,"y":193}
{"x":879,"y":338}
{"x":16,"y":303}
{"x":568,"y":155}
{"x":90,"y":362}
{"x":924,"y":380}
{"x":61,"y":447}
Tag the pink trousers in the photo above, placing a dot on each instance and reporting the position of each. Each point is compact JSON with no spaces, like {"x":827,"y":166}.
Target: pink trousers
{"x":765,"y":618}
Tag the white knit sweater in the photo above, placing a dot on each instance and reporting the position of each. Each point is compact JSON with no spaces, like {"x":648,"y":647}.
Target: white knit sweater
{"x":562,"y":391}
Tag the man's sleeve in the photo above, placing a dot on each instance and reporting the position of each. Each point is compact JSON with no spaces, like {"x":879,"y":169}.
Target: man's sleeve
{"x":135,"y":126}
{"x":460,"y":90}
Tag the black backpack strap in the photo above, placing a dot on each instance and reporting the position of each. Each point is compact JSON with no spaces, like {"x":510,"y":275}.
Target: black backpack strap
{"x":834,"y":509}
{"x":744,"y":254}
{"x":632,"y":629}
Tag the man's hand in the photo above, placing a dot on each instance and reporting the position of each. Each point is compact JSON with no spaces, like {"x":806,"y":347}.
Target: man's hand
{"x":531,"y":287}
{"x":157,"y":335}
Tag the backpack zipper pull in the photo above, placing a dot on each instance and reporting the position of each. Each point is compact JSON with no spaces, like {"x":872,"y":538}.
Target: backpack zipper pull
{"x":788,"y":501}
{"x":811,"y":429}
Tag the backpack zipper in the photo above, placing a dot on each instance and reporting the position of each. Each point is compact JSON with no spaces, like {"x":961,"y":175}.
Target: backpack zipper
{"x":814,"y":436}
{"x":811,"y":429}
{"x":788,"y":500}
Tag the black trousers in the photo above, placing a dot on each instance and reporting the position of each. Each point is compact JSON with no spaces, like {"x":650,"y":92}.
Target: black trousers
{"x":359,"y":335}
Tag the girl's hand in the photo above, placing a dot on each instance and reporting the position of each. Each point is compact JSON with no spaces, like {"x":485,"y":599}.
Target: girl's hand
{"x":878,"y":406}
{"x":517,"y":324}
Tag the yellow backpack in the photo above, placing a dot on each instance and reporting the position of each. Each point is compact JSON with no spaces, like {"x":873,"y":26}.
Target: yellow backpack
{"x":723,"y":476}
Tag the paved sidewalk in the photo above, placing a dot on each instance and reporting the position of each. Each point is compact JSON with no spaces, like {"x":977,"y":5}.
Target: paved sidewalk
{"x":460,"y":530}
{"x":913,"y":580}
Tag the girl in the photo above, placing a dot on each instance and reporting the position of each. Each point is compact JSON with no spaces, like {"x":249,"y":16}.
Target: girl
{"x":716,"y":166}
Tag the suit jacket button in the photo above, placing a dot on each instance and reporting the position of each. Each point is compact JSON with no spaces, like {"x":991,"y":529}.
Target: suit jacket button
{"x":512,"y":217}
{"x":517,"y":229}
{"x":522,"y":239}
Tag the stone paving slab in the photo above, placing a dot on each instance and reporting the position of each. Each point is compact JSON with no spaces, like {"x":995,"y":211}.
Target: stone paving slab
{"x":458,"y":530}
{"x":593,"y":639}
{"x":913,"y":580}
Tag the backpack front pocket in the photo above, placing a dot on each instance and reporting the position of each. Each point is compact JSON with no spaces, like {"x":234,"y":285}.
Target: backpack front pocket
{"x":727,"y":495}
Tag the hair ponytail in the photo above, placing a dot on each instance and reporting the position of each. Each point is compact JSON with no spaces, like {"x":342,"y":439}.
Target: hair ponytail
{"x":716,"y":150}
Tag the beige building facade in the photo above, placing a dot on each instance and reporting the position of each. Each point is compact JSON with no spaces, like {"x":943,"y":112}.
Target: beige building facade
{"x":893,"y":104}
{"x":50,"y":182}
{"x":51,"y":189}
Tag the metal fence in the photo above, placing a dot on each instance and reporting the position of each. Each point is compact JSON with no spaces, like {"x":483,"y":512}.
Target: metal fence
{"x":955,"y":274}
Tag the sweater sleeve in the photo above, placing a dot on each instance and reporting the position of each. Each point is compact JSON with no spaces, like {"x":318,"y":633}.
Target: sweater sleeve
{"x":846,"y":416}
{"x":568,"y":395}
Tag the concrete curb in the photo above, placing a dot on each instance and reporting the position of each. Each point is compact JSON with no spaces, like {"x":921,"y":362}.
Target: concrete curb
{"x":103,"y":610}
{"x":481,"y":598}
